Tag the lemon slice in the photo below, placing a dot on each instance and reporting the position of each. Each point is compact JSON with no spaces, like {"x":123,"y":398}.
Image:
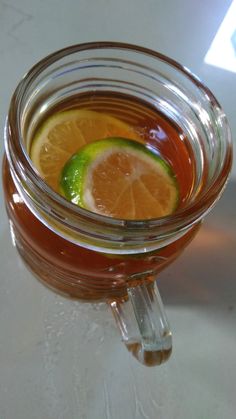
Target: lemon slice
{"x":120,"y":178}
{"x":64,"y":133}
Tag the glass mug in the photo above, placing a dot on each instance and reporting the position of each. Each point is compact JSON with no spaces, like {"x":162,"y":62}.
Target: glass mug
{"x":88,"y":256}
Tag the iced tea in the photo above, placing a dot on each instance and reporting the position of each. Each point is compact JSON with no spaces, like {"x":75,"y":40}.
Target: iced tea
{"x":87,"y":274}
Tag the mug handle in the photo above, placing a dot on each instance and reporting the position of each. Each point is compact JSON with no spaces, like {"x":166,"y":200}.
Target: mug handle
{"x":143,"y":324}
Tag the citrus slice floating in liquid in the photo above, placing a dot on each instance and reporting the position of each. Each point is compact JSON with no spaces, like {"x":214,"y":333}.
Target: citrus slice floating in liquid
{"x":64,"y":133}
{"x":120,"y":178}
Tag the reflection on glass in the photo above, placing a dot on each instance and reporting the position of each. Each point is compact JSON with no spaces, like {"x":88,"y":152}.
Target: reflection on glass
{"x":222,"y":52}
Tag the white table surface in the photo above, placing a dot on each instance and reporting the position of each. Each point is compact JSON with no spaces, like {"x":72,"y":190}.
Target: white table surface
{"x":64,"y":360}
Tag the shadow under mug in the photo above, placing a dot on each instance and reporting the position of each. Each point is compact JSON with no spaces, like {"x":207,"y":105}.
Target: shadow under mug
{"x":88,"y":256}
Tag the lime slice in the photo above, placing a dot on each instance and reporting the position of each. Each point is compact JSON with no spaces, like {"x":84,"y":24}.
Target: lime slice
{"x":120,"y":178}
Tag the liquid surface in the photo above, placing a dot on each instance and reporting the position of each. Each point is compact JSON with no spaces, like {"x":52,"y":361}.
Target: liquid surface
{"x":85,"y":119}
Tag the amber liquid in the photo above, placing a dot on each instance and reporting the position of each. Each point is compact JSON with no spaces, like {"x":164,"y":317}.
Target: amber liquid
{"x":151,"y":127}
{"x":82,"y":273}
